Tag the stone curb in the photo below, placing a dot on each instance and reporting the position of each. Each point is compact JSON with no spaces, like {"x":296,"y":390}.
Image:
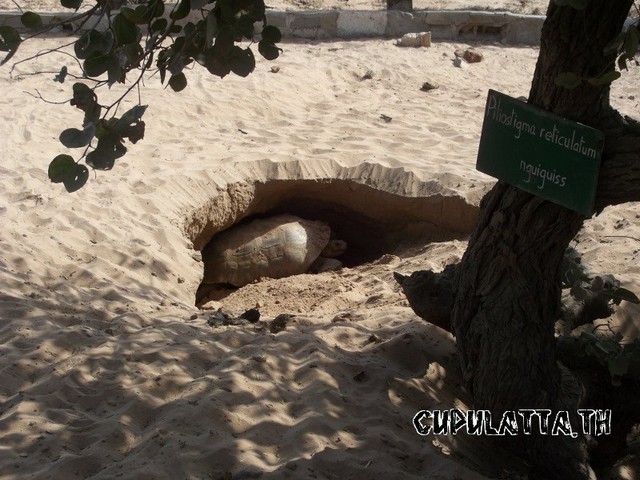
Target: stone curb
{"x":346,"y":24}
{"x":443,"y":25}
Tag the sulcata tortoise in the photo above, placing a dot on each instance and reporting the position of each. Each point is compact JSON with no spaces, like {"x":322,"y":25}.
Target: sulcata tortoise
{"x":273,"y":247}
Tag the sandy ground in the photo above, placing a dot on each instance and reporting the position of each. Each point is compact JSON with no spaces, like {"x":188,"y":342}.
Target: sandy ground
{"x":108,"y":370}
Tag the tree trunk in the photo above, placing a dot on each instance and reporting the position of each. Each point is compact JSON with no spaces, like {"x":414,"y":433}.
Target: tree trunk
{"x":404,"y":5}
{"x":508,"y":285}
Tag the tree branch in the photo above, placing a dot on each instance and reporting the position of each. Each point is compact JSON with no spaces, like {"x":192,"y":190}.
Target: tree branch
{"x":84,"y":16}
{"x":619,"y":179}
{"x":430,"y":294}
{"x":40,"y":97}
{"x":45,"y":52}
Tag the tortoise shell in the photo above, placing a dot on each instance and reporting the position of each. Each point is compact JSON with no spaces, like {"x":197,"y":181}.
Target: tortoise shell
{"x":273,"y":247}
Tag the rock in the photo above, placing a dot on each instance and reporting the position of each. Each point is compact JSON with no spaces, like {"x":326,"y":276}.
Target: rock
{"x":279,"y":323}
{"x":460,"y":63}
{"x":422,"y":39}
{"x":252,"y":315}
{"x":471,"y":55}
{"x":427,"y":86}
{"x":275,"y":69}
{"x":220,"y":317}
{"x":368,"y":75}
{"x":361,"y":376}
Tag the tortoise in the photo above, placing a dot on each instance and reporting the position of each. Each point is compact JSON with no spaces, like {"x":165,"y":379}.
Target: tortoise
{"x":275,"y":247}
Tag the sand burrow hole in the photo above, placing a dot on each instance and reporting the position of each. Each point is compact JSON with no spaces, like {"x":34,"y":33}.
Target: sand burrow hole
{"x":376,"y":210}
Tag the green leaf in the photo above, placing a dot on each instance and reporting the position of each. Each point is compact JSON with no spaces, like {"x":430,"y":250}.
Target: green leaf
{"x":125,"y":31}
{"x":134,"y":54}
{"x":159,"y":25}
{"x":271,"y":34}
{"x":62,"y":76}
{"x":568,"y":80}
{"x":132,"y":15}
{"x":86,"y":100}
{"x":153,"y":9}
{"x":93,"y":42}
{"x":81,"y":92}
{"x":129,"y":118}
{"x":605,"y":79}
{"x":63,"y":169}
{"x":163,"y":73}
{"x":60,"y":168}
{"x":9,"y":37}
{"x":145,"y":12}
{"x":620,"y":294}
{"x":96,"y":65}
{"x":31,"y":20}
{"x":631,"y":40}
{"x":75,"y":4}
{"x":579,"y":293}
{"x":622,"y":62}
{"x":178,"y":82}
{"x":213,"y":63}
{"x":614,"y":45}
{"x":77,"y":178}
{"x":242,"y":62}
{"x":268,"y":50}
{"x":114,"y":72}
{"x":74,"y":138}
{"x":135,"y":132}
{"x":184,"y":8}
{"x":108,"y":150}
{"x":9,"y":42}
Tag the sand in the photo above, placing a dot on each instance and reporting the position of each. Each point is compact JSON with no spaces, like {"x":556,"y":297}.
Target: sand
{"x":108,"y":370}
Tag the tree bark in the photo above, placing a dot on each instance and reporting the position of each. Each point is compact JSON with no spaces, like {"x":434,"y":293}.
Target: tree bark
{"x":573,"y":41}
{"x":508,"y":286}
{"x":404,"y":5}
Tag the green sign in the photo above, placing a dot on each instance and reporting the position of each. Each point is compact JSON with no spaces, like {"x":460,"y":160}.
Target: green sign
{"x":540,"y":152}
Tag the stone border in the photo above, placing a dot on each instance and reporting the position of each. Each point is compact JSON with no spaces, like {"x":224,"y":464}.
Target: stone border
{"x":443,"y":25}
{"x":345,"y":24}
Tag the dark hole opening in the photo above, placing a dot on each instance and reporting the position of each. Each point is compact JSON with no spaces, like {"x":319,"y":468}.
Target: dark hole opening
{"x":366,"y":238}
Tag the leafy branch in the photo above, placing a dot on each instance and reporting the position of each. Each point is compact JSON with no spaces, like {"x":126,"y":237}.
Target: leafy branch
{"x":149,"y":39}
{"x":581,"y":286}
{"x":622,"y":50}
{"x":622,"y":361}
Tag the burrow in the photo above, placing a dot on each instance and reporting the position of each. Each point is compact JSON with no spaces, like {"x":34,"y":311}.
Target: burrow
{"x":376,"y":212}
